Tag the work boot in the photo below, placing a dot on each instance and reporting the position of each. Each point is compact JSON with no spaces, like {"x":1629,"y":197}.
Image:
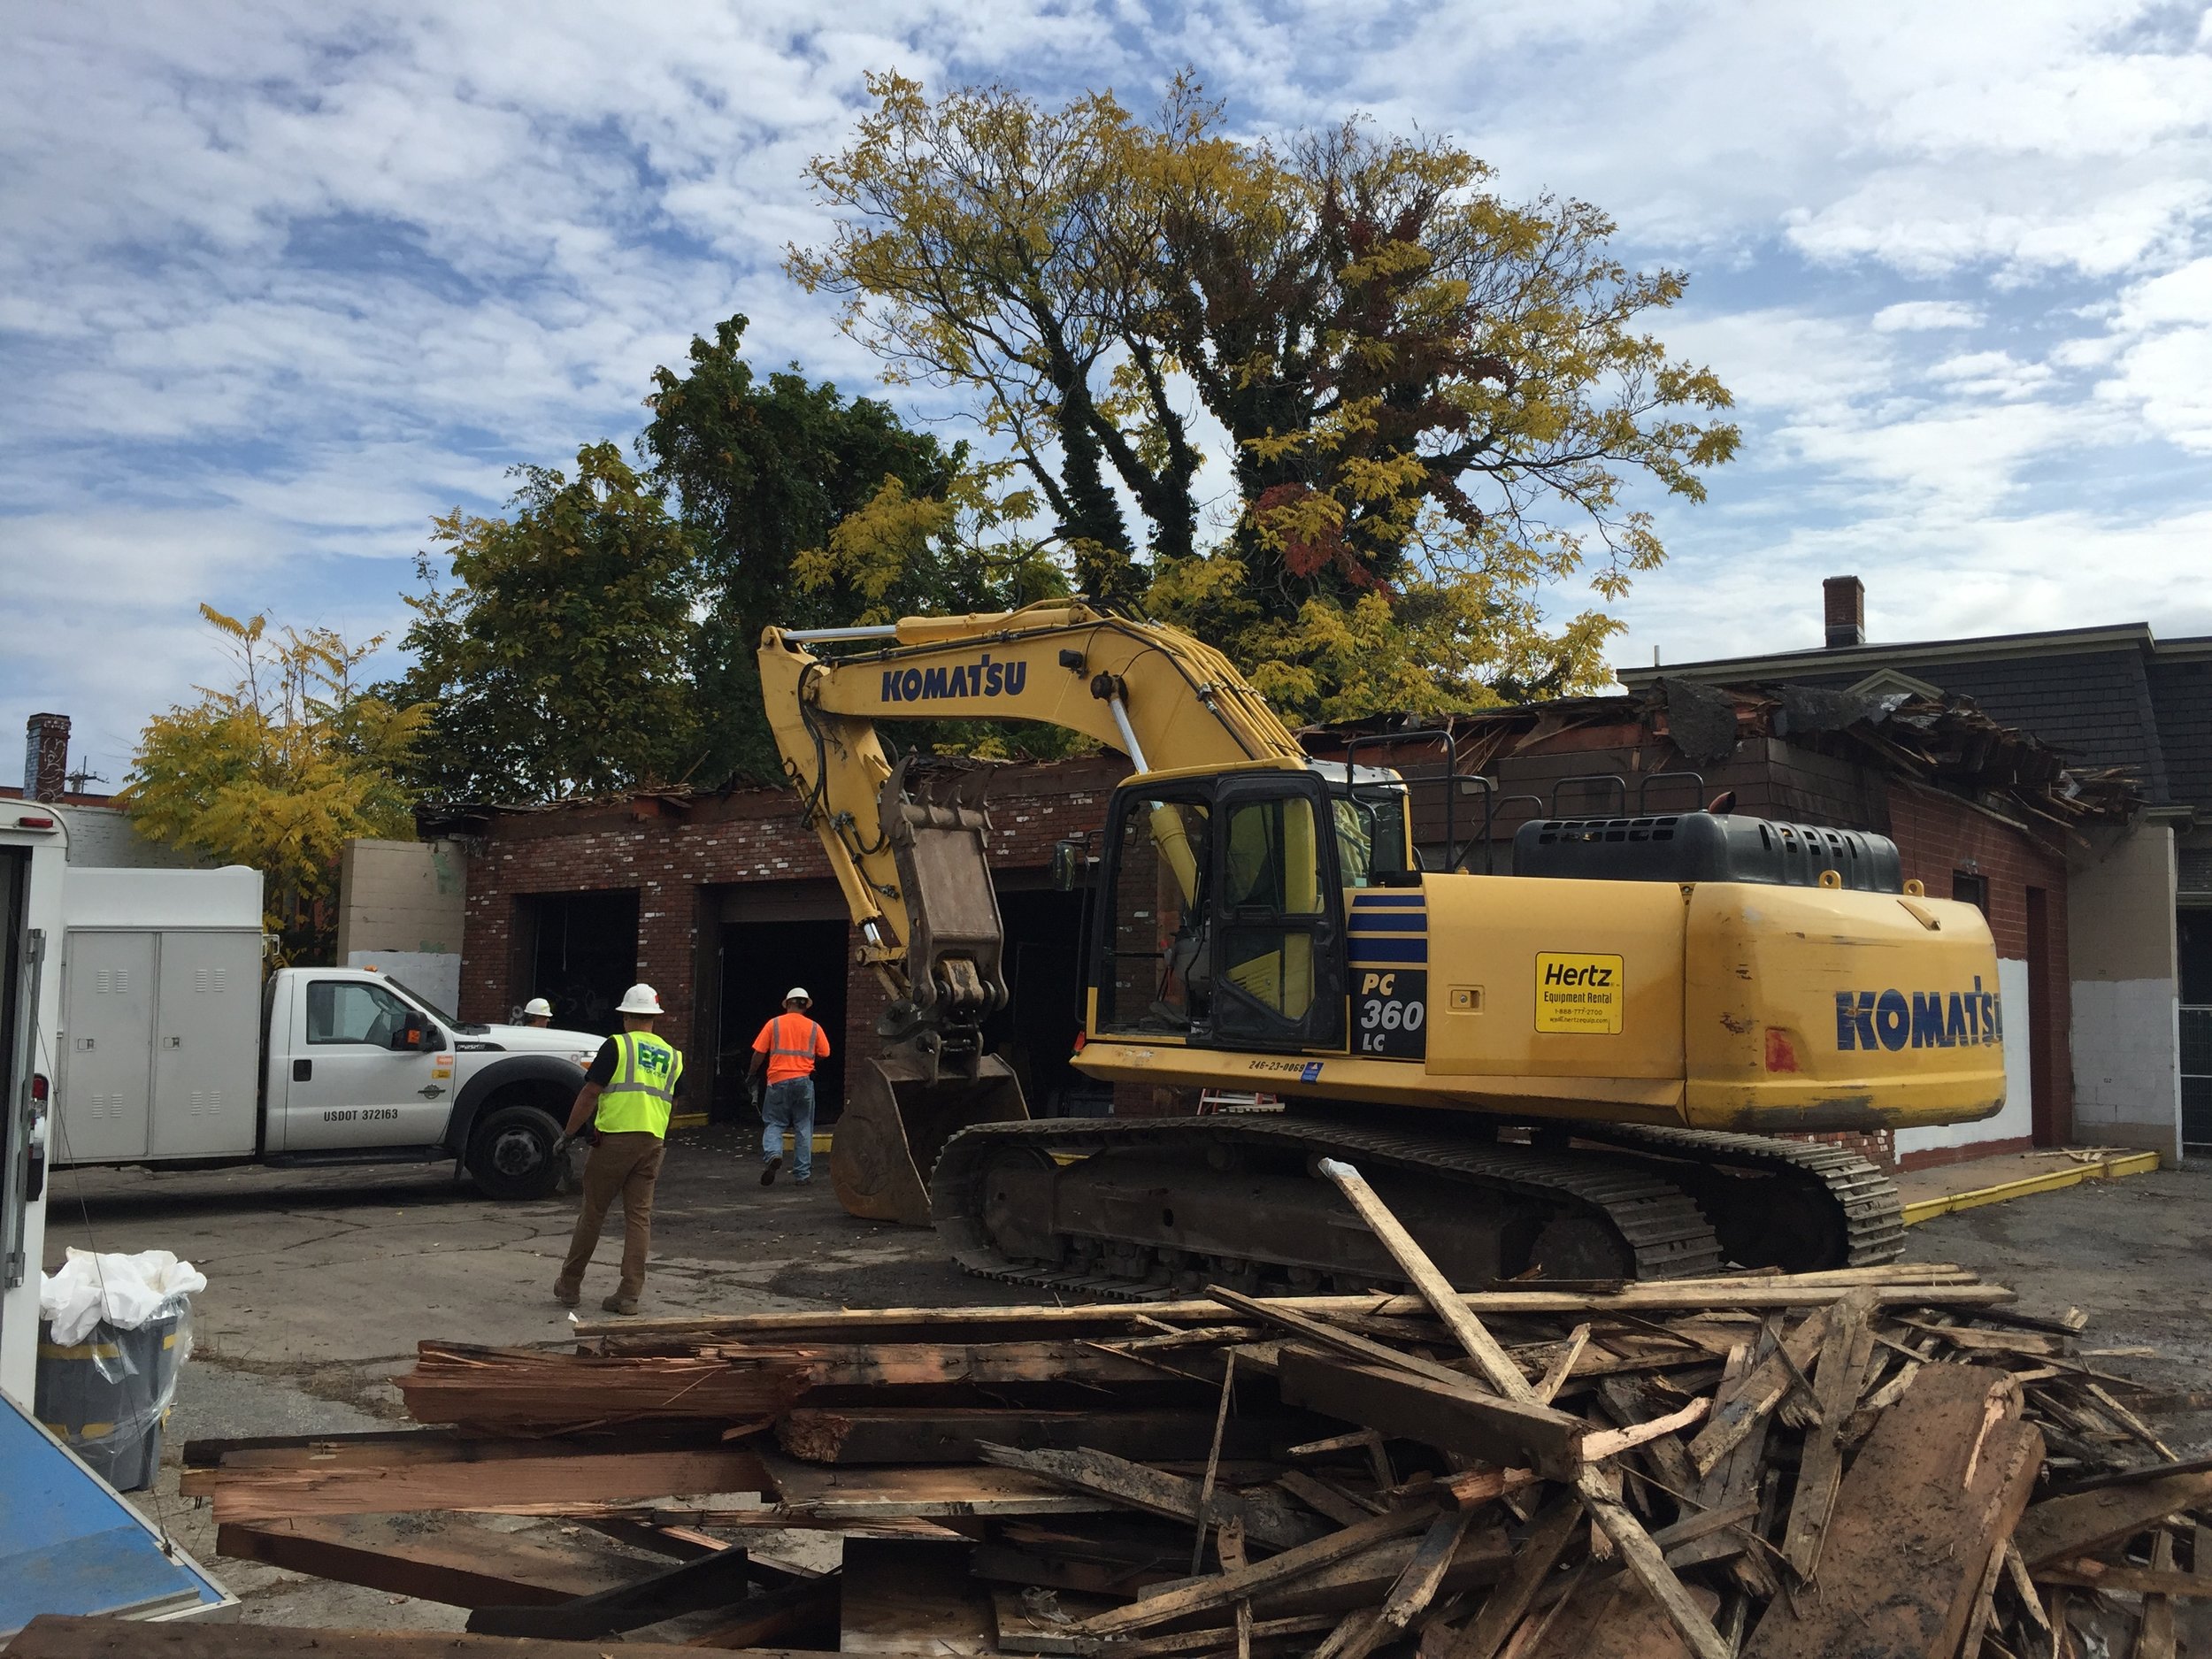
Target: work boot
{"x":768,"y":1171}
{"x":620,"y":1303}
{"x":566,"y":1295}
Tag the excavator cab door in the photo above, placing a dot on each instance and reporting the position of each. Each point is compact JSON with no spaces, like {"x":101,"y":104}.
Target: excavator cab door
{"x":1278,"y":915}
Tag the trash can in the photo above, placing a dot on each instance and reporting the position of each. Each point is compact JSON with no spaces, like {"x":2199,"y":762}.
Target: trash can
{"x":108,"y":1394}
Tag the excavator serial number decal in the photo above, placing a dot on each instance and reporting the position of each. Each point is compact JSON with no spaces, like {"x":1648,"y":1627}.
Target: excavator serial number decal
{"x":1578,"y":993}
{"x":1390,"y":1009}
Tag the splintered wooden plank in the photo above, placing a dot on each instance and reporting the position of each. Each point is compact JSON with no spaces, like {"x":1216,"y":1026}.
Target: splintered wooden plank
{"x":931,"y":1365}
{"x":519,"y":1486}
{"x":823,"y":1494}
{"x":1263,"y":1514}
{"x":1453,"y":1416}
{"x":2060,"y":1528}
{"x":1275,"y":1572}
{"x":1843,"y":1355}
{"x":1549,"y":1536}
{"x":916,"y":1434}
{"x":1758,"y":1394}
{"x":1939,"y":1483}
{"x":433,"y":1557}
{"x":913,"y":1596}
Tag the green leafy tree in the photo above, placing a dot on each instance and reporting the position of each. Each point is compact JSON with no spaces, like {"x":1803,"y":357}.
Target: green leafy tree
{"x":280,"y":770}
{"x":559,"y":657}
{"x":808,"y":509}
{"x":1436,"y":399}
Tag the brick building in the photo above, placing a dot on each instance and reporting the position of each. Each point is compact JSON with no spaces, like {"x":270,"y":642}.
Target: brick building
{"x":2139,"y":889}
{"x":724,"y":902}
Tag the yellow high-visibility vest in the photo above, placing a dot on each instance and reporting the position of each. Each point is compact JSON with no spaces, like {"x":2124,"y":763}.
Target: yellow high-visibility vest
{"x":642,"y":1092}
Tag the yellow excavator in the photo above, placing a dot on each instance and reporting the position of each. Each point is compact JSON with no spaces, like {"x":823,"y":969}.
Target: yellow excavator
{"x":1578,"y":1070}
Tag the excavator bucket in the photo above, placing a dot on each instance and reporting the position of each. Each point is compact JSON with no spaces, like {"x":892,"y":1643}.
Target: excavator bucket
{"x":897,"y":1117}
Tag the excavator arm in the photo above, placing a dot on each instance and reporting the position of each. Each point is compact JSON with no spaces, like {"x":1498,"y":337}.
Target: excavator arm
{"x":907,"y":841}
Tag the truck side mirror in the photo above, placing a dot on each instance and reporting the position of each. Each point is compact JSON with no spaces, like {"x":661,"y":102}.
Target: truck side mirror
{"x":1067,"y":862}
{"x":409,"y":1039}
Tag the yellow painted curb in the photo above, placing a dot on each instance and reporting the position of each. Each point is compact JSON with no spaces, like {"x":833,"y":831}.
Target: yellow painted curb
{"x":2051,"y":1181}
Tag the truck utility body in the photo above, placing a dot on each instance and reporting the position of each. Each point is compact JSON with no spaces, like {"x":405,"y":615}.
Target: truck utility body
{"x":174,"y":1051}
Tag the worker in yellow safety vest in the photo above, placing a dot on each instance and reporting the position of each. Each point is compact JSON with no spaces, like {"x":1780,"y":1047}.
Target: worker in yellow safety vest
{"x":627,"y":1097}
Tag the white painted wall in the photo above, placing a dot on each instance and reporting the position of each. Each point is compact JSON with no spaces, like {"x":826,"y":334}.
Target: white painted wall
{"x":2017,"y":1120}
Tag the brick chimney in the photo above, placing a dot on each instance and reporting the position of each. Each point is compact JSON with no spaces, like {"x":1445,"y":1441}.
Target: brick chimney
{"x":1843,"y":607}
{"x":46,"y":758}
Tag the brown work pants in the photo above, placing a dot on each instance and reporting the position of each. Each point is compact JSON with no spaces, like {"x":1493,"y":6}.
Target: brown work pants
{"x":621,"y":1164}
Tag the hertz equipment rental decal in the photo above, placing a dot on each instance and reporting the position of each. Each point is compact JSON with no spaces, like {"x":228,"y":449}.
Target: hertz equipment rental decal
{"x":1577,"y":993}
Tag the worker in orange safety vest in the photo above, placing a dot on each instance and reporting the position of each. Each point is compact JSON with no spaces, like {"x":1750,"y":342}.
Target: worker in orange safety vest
{"x":786,"y":1050}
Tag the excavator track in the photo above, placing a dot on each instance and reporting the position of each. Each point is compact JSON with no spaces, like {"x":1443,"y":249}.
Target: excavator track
{"x":1651,"y":1227}
{"x":1859,"y":1215}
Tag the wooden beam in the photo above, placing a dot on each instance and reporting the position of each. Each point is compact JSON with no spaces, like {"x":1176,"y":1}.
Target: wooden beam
{"x":690,"y":1586}
{"x":821,"y":1495}
{"x":920,"y":1434}
{"x":454,"y":1382}
{"x":59,"y":1636}
{"x":1937,"y":1486}
{"x":1263,"y":1515}
{"x":519,"y":1486}
{"x":1901,"y":1284}
{"x":433,"y":1557}
{"x":1453,"y":1416}
{"x":1758,"y":1394}
{"x":1261,"y":1576}
{"x":1843,"y":1355}
{"x":2059,"y":1529}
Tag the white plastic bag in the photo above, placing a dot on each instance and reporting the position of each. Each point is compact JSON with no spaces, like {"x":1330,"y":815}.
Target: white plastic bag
{"x":125,"y":1291}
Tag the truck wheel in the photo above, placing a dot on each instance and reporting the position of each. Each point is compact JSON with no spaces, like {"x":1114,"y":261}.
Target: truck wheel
{"x":511,"y":1152}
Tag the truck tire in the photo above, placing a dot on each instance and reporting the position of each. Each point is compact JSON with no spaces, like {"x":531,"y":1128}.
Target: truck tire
{"x":511,"y":1152}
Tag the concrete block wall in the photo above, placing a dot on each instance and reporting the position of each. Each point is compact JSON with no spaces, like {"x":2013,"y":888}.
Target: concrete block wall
{"x":402,"y":896}
{"x":2126,"y":989}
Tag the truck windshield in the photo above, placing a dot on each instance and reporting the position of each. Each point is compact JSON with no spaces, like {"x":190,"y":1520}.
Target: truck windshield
{"x":448,"y":1018}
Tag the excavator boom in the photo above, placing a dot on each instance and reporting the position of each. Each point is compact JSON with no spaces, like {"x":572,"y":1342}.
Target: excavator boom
{"x":907,"y":841}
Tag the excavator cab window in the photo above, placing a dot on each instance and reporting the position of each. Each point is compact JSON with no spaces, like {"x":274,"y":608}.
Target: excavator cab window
{"x":1157,"y":975}
{"x":1221,"y":921}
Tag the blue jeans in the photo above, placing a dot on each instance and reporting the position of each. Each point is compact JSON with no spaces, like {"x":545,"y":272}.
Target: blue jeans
{"x":790,"y":1105}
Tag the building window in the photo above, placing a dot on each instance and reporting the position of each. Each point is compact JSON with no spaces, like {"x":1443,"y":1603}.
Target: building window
{"x":1968,"y":889}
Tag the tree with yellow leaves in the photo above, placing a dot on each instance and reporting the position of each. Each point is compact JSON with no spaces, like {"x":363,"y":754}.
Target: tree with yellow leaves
{"x":1434,"y":400}
{"x":279,"y":771}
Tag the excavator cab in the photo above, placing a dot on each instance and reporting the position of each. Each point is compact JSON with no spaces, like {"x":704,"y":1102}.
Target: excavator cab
{"x":1219,"y":914}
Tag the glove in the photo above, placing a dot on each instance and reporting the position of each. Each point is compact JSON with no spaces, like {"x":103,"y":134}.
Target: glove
{"x":561,"y":1147}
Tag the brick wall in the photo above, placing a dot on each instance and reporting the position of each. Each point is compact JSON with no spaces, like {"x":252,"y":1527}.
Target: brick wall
{"x":667,"y":852}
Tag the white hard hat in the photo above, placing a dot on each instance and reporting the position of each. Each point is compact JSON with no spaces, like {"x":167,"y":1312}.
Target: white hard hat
{"x":640,"y":998}
{"x":537,"y":1008}
{"x":798,"y":994}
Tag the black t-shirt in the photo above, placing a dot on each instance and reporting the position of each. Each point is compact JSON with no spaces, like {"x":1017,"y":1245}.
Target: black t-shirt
{"x":602,"y":1063}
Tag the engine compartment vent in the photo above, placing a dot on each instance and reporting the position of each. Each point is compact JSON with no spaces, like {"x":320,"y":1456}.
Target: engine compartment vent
{"x":1705,"y":847}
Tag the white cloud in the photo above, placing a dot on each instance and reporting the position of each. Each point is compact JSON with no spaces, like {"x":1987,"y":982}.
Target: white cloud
{"x":1912,"y":315}
{"x":281,"y":280}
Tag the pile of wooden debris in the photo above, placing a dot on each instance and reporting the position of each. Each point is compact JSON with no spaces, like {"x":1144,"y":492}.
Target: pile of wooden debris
{"x":1883,"y":1460}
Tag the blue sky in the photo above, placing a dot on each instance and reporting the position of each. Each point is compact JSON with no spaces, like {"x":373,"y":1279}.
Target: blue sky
{"x":278,"y":282}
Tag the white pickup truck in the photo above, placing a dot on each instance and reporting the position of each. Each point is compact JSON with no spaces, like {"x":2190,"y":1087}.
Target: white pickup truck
{"x":176,"y":1052}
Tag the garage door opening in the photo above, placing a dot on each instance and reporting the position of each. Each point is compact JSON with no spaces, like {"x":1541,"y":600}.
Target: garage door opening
{"x":760,"y":962}
{"x":580,"y":951}
{"x":1035,"y":1032}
